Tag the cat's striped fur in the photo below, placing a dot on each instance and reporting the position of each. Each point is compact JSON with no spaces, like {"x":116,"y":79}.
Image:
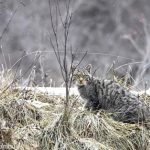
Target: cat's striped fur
{"x":110,"y":96}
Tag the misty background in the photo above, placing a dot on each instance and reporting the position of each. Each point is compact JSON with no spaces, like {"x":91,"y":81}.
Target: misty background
{"x":109,"y":30}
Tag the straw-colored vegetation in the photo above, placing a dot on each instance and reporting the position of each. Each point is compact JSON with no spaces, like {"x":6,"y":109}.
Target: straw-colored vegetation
{"x":23,"y":126}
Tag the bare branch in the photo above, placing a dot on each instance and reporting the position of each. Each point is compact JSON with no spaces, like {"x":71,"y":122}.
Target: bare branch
{"x":9,"y":21}
{"x":66,"y":70}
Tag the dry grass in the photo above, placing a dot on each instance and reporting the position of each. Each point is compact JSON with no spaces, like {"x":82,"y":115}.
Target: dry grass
{"x":25,"y":127}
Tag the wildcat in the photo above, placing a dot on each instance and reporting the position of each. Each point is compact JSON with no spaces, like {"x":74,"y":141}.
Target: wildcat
{"x":110,"y":96}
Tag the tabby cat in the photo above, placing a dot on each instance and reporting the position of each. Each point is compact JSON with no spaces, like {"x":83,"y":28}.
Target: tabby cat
{"x":110,"y":96}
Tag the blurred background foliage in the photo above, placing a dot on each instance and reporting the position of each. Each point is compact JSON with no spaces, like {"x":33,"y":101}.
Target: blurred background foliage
{"x":109,"y":30}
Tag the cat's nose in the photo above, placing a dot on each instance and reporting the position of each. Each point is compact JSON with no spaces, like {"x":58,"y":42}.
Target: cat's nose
{"x":81,"y":79}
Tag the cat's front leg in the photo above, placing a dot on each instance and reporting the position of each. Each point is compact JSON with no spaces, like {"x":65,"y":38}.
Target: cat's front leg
{"x":91,"y":105}
{"x":88,"y":105}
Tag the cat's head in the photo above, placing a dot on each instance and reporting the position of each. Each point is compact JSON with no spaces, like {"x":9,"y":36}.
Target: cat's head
{"x":82,"y":76}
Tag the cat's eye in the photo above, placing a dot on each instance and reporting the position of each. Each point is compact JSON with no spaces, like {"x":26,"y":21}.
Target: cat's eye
{"x":86,"y":76}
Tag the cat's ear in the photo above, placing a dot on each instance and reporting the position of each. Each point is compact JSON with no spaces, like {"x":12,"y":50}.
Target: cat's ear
{"x":74,"y":69}
{"x":88,"y":68}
